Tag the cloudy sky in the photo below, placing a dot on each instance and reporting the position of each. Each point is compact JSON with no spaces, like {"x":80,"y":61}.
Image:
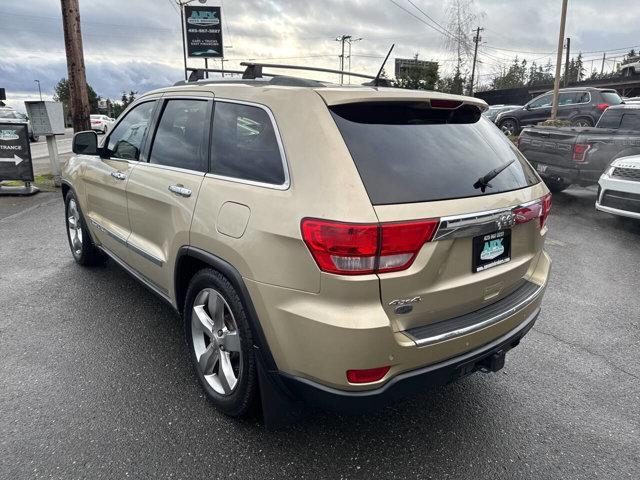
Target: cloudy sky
{"x":136,"y":45}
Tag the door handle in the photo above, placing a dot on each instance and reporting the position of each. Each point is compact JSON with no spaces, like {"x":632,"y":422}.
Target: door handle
{"x":180,"y":190}
{"x":118,"y":175}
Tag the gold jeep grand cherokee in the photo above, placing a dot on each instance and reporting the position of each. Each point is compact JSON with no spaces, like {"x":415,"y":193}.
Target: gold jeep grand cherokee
{"x":327,"y":245}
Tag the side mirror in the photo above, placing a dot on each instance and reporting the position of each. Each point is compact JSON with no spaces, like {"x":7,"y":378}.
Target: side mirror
{"x":85,"y":143}
{"x":527,"y":107}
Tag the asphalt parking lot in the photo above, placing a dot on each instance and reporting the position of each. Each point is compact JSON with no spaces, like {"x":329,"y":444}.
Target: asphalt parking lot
{"x":95,"y":380}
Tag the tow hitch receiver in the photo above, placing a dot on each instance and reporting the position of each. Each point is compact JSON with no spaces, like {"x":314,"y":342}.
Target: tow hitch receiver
{"x":492,"y":363}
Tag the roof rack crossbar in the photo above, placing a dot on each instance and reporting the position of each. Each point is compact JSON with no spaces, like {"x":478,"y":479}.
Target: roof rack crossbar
{"x":255,"y":65}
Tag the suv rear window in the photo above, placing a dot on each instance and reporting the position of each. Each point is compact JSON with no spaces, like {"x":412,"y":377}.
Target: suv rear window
{"x":408,"y":153}
{"x":612,"y":98}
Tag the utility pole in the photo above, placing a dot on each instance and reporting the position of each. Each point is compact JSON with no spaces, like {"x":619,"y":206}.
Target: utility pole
{"x":566,"y":63}
{"x":78,"y":91}
{"x":476,"y":40}
{"x":556,"y":83}
{"x":604,"y":57}
{"x":342,"y":39}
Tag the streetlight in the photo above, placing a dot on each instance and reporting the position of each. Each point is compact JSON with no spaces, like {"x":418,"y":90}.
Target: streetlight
{"x":181,"y":4}
{"x":39,"y":90}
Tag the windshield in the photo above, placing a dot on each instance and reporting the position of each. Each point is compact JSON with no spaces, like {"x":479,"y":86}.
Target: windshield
{"x":406,"y":153}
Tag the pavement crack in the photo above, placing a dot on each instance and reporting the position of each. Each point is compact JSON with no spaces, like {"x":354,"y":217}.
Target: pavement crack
{"x":581,"y":347}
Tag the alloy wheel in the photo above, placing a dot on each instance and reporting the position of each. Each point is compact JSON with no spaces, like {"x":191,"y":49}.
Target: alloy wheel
{"x":216,"y":341}
{"x":75,"y":227}
{"x":508,"y":127}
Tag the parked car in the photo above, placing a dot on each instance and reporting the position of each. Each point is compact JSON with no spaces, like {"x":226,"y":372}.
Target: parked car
{"x":494,"y":110}
{"x":305,"y":264}
{"x":619,"y":188}
{"x":101,"y":123}
{"x":9,"y":115}
{"x":631,"y":67}
{"x":565,"y":156}
{"x":580,"y":106}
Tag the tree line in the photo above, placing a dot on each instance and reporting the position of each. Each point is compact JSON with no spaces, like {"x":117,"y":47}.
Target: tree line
{"x":519,"y":73}
{"x":113,"y":108}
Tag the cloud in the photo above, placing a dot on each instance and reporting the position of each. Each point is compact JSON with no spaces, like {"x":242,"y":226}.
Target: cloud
{"x":136,"y":44}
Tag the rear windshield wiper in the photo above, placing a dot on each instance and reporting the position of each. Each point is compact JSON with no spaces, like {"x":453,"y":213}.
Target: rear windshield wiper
{"x":483,"y":182}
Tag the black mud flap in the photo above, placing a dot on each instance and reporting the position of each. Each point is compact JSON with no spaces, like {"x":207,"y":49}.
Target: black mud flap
{"x":279,"y":407}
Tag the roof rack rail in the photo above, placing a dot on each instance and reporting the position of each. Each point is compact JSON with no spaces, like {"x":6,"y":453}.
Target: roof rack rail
{"x":254,"y":69}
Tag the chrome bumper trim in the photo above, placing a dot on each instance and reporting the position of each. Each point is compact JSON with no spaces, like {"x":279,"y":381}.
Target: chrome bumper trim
{"x":509,"y":310}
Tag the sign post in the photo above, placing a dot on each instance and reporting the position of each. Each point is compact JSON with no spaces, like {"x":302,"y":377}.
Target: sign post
{"x":15,"y":158}
{"x":203,"y":32}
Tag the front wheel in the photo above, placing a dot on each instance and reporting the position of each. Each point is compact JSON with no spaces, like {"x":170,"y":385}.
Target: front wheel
{"x":220,"y":343}
{"x":509,"y":127}
{"x":82,"y":247}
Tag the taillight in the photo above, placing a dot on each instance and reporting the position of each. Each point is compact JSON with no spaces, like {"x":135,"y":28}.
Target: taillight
{"x":546,"y":208}
{"x":539,"y":209}
{"x":580,"y":152}
{"x":528,"y":213}
{"x":367,"y":376}
{"x":357,"y":249}
{"x":437,"y":103}
{"x":401,"y":242}
{"x":603,"y":106}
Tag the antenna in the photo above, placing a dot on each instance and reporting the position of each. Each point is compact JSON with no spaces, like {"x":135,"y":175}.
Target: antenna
{"x":376,"y":81}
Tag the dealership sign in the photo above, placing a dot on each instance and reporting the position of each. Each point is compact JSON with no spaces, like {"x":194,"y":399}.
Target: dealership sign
{"x":15,"y":152}
{"x":203,"y":30}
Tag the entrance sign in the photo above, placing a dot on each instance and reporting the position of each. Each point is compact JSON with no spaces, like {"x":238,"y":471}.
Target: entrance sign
{"x":203,"y":28}
{"x":15,"y":152}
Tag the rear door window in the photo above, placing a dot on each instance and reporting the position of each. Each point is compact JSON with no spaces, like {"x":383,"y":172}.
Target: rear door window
{"x":245,"y":145}
{"x":406,"y":153}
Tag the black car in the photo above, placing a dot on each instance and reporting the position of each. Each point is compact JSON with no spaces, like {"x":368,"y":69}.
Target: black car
{"x":580,"y":106}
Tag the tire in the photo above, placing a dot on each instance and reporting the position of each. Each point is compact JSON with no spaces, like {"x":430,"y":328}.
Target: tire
{"x":582,"y":122}
{"x":556,"y":185}
{"x":220,"y":345}
{"x":83,"y":249}
{"x":34,"y":138}
{"x":509,"y":126}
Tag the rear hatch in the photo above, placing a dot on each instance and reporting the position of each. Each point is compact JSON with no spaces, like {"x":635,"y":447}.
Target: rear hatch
{"x":421,"y":159}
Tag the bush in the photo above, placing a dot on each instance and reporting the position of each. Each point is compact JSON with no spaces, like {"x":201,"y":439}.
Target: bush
{"x":554,"y":123}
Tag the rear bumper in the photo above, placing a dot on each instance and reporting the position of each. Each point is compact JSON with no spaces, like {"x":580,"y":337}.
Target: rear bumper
{"x":582,"y":176}
{"x":489,"y":357}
